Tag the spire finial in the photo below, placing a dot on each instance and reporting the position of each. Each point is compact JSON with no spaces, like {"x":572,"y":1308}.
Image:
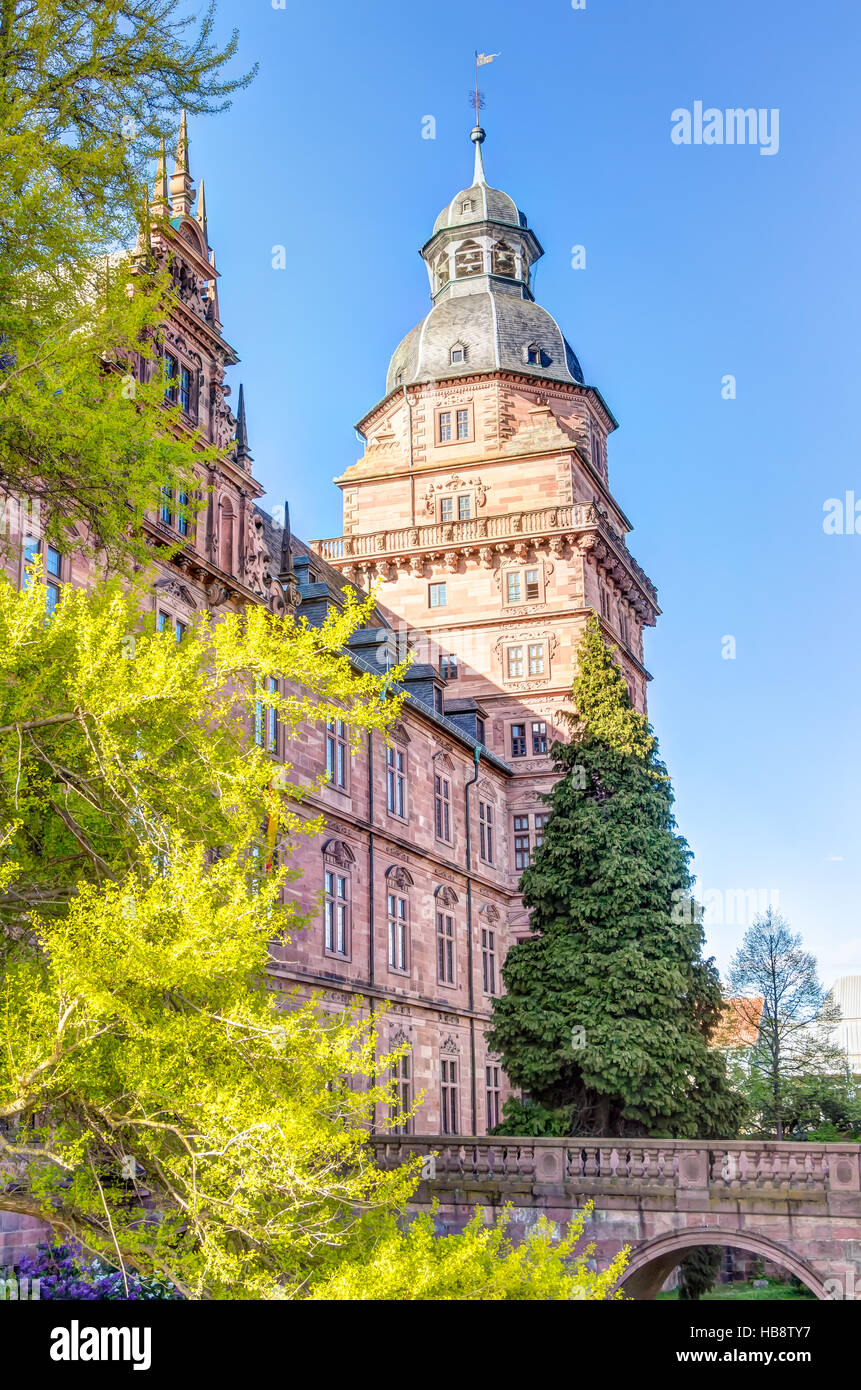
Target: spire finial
{"x":478,"y":138}
{"x":200,"y":214}
{"x":181,"y":166}
{"x":243,"y":457}
{"x":181,"y":190}
{"x":286,"y":544}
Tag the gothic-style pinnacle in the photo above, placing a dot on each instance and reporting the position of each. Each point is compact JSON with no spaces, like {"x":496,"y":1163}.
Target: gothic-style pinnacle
{"x":181,"y":166}
{"x":200,"y":213}
{"x":159,"y":192}
{"x":241,"y":450}
{"x":286,"y":544}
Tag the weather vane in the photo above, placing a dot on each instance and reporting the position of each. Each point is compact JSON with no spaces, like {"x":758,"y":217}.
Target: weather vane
{"x":476,"y":97}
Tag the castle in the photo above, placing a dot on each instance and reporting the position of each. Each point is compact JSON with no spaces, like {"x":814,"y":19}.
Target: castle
{"x":482,"y":506}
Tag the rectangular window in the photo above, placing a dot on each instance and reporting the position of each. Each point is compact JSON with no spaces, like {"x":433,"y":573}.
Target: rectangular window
{"x":31,"y":550}
{"x":512,"y":587}
{"x":53,"y":561}
{"x":488,"y":960}
{"x":536,"y":659}
{"x":164,"y":623}
{"x":540,"y":822}
{"x":402,"y":1078}
{"x":170,"y":374}
{"x":518,"y":740}
{"x":448,"y":1096}
{"x":166,"y":511}
{"x":492,"y":1092}
{"x":442,"y":808}
{"x":180,"y":630}
{"x":397,"y":933}
{"x":539,"y":738}
{"x":436,"y":596}
{"x":337,"y":753}
{"x":623,"y":627}
{"x":463,"y":429}
{"x":444,"y":426}
{"x":185,"y":389}
{"x":464,"y":504}
{"x":336,"y":914}
{"x":52,"y":597}
{"x":515,"y":662}
{"x":521,"y":842}
{"x":485,"y":831}
{"x":446,"y":509}
{"x":605,"y":603}
{"x":182,"y":521}
{"x":437,"y":699}
{"x":533,"y":585}
{"x":445,"y":948}
{"x":396,"y":779}
{"x":480,"y":733}
{"x":448,"y":668}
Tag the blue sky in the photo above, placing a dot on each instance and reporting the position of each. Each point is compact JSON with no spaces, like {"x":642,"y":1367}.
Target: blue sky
{"x":701,"y":261}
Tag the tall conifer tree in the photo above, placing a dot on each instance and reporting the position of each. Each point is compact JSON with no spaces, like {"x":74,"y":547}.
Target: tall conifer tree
{"x":609,"y":1006}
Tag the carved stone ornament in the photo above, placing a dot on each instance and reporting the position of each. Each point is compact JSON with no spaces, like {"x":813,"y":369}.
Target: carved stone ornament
{"x":447,"y":896}
{"x":399,"y":877}
{"x":339,"y":852}
{"x":449,"y":1047}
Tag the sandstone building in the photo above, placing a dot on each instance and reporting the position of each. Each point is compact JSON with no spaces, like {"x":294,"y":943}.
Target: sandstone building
{"x":482,"y":502}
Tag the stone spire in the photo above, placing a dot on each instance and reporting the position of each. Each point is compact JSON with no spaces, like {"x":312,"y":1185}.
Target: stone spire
{"x":200,"y":213}
{"x":160,"y":204}
{"x":286,"y":570}
{"x":181,"y":189}
{"x":240,"y":452}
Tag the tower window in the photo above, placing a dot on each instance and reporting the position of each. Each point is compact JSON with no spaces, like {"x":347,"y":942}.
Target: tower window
{"x":466,"y":206}
{"x":533,"y":355}
{"x":444,"y":426}
{"x":399,"y":379}
{"x":458,"y":354}
{"x":504,"y":261}
{"x":442,"y":272}
{"x":469,"y":260}
{"x":436,"y":596}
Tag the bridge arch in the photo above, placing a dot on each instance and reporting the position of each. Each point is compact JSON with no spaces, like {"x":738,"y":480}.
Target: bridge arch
{"x":651,"y":1263}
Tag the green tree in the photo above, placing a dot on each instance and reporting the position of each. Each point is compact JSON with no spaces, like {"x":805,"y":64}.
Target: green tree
{"x":159,"y":1099}
{"x":87,"y":88}
{"x":609,"y":1005}
{"x":795,"y":1076}
{"x":698,"y":1272}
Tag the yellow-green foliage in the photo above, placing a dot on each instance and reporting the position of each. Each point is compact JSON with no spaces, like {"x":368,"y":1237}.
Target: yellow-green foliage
{"x":483,"y":1263}
{"x":157,"y":1101}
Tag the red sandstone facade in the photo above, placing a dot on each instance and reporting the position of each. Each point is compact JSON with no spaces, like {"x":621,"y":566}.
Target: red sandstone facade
{"x":482,"y":502}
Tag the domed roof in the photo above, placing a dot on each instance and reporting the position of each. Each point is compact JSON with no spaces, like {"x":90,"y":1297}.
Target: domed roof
{"x":484,"y":317}
{"x":479,"y":202}
{"x":495,"y":330}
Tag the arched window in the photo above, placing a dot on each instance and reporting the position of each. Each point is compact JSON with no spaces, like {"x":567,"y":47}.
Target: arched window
{"x":532,"y":355}
{"x":469,"y":260}
{"x":504,"y":260}
{"x":441,"y":269}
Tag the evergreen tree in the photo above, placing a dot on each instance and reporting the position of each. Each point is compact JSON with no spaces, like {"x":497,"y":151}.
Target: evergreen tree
{"x":609,"y":1005}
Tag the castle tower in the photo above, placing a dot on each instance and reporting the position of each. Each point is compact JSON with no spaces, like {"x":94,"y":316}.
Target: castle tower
{"x":483,"y":500}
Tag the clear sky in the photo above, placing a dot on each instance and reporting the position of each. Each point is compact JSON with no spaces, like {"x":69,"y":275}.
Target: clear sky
{"x":702,"y":261}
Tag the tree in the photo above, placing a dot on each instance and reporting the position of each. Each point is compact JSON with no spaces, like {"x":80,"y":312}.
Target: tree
{"x":794,"y":1075}
{"x":609,"y":1005}
{"x":87,"y":88}
{"x":158,"y":1101}
{"x":698,"y":1272}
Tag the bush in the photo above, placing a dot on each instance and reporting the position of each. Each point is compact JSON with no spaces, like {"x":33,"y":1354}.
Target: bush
{"x":66,"y":1272}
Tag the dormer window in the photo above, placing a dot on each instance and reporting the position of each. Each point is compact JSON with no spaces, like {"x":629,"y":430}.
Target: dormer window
{"x":441,"y":271}
{"x":399,"y":379}
{"x":458,"y":353}
{"x":466,"y":206}
{"x":532,"y":354}
{"x":469,"y":260}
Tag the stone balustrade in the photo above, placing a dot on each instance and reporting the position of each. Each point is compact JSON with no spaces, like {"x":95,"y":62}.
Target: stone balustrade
{"x":479,"y":531}
{"x":743,"y":1167}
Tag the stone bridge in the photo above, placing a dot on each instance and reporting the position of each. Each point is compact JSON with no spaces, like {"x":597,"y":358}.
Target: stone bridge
{"x":798,"y":1205}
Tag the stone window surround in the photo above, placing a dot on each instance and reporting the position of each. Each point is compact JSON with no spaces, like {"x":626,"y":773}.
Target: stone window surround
{"x":452,"y":409}
{"x":521,"y":570}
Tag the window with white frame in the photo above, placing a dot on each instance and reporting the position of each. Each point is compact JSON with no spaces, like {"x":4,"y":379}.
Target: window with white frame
{"x":442,"y":808}
{"x":336,"y":913}
{"x":485,"y":831}
{"x":524,"y":585}
{"x":337,"y":754}
{"x":396,"y":782}
{"x":514,"y":663}
{"x":488,"y":960}
{"x":445,"y":947}
{"x":397,"y":932}
{"x":539,"y":738}
{"x":401,"y":1120}
{"x":536,"y":658}
{"x":493,"y":1092}
{"x":436,"y":596}
{"x":449,"y":1110}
